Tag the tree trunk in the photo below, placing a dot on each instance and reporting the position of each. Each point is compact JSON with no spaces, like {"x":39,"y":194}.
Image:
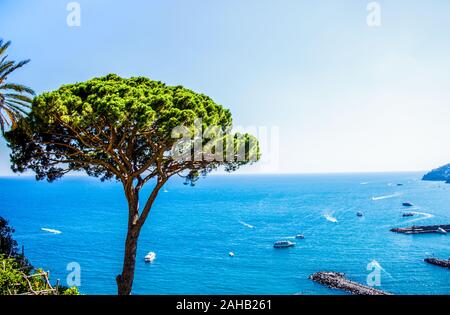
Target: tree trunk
{"x":135,"y":223}
{"x":125,"y":279}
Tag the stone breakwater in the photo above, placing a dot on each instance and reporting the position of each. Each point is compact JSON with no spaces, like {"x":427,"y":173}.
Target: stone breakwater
{"x":422,"y":229}
{"x":438,"y":262}
{"x":338,"y":281}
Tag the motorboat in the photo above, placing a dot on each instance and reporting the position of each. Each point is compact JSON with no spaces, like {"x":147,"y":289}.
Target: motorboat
{"x":359,"y":214}
{"x":299,"y":236}
{"x":150,"y":257}
{"x":283,"y":244}
{"x":407,"y":204}
{"x":408,"y":214}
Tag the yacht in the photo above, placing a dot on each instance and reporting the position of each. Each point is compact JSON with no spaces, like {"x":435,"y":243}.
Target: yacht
{"x":150,"y":257}
{"x":283,"y":244}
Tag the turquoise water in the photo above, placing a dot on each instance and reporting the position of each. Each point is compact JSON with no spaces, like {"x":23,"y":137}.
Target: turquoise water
{"x":192,"y":230}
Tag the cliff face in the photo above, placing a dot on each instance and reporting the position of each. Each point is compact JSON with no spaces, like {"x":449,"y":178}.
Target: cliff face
{"x":439,"y":174}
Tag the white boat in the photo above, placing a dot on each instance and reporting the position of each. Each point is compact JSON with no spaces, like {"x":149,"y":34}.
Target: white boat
{"x":441,"y":231}
{"x":150,"y":257}
{"x":299,"y":236}
{"x":283,"y":244}
{"x":231,"y":254}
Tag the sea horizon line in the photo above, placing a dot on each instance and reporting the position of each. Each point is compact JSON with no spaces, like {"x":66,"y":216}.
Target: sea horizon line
{"x":28,"y":176}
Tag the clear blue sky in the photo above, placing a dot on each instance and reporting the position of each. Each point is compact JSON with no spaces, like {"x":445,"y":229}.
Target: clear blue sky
{"x":345,"y":96}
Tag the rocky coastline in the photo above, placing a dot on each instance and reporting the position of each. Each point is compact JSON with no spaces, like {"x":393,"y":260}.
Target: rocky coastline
{"x":439,"y":174}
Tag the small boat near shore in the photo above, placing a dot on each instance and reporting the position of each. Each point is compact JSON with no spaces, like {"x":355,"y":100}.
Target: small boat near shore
{"x":283,"y":244}
{"x":150,"y":257}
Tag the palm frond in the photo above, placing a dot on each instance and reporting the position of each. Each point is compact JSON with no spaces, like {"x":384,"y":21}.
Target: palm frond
{"x":13,"y":116}
{"x":3,"y":122}
{"x":20,"y":99}
{"x":16,"y":66}
{"x":4,"y":47}
{"x":3,"y":59}
{"x":17,"y":88}
{"x":18,"y":107}
{"x":4,"y":66}
{"x":15,"y":98}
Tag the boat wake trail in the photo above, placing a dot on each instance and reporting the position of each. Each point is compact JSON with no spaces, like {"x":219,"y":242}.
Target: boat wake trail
{"x":386,"y":197}
{"x":53,"y":231}
{"x":423,"y":216}
{"x":247,"y":225}
{"x":330,"y":218}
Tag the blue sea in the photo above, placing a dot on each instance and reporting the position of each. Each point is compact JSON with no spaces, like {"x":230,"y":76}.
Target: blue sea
{"x":192,"y":230}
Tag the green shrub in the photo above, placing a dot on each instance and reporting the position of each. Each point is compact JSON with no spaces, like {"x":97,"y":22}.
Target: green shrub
{"x":71,"y":291}
{"x":17,"y":275}
{"x":11,"y":278}
{"x":15,"y":279}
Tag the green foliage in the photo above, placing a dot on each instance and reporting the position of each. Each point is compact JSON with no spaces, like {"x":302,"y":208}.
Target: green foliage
{"x":16,"y":280}
{"x":14,"y":98}
{"x":11,"y":278}
{"x":8,"y":246}
{"x":132,"y":130}
{"x":71,"y":291}
{"x":111,"y":127}
{"x":17,"y":276}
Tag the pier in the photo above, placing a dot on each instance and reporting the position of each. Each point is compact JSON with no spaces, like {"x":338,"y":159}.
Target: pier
{"x":338,"y":281}
{"x":422,"y":229}
{"x":438,"y":262}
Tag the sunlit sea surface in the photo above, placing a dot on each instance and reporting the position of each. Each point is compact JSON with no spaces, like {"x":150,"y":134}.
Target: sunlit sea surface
{"x":192,"y":230}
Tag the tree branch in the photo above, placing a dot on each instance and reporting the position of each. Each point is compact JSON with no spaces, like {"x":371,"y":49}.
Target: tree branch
{"x":148,"y":205}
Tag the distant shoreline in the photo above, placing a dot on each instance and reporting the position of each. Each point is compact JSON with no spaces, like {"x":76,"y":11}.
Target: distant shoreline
{"x":251,"y":174}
